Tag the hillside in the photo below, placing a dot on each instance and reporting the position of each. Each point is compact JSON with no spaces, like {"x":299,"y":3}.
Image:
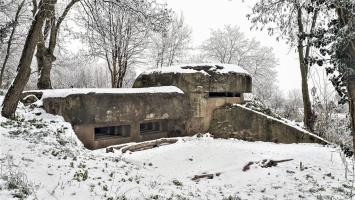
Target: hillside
{"x":41,"y":158}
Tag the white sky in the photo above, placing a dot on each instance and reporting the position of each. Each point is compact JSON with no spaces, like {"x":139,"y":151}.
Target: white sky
{"x":203,"y":15}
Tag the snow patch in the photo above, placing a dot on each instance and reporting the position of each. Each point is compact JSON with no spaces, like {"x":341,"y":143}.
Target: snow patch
{"x":203,"y":68}
{"x":61,"y":93}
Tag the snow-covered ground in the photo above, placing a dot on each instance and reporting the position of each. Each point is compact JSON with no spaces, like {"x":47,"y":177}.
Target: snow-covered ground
{"x":41,"y":158}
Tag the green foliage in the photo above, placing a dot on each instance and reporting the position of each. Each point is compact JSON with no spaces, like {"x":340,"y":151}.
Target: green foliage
{"x":334,"y":42}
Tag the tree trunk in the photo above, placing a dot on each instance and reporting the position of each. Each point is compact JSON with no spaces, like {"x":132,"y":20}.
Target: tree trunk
{"x":12,"y":97}
{"x":307,"y":107}
{"x":118,"y":72}
{"x":44,"y":61}
{"x":122,"y":71}
{"x":113,"y":81}
{"x":120,"y":82}
{"x":45,"y":55}
{"x":351,"y":93}
{"x":346,"y":18}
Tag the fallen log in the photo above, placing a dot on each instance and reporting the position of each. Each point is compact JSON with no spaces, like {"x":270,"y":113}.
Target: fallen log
{"x":247,"y":166}
{"x":266,"y":163}
{"x":198,"y":177}
{"x":272,"y":163}
{"x":148,"y":144}
{"x":116,"y":147}
{"x":208,"y":176}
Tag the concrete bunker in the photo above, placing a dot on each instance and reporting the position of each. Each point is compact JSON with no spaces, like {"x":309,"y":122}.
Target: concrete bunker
{"x":207,"y":87}
{"x":167,"y":102}
{"x":104,"y":117}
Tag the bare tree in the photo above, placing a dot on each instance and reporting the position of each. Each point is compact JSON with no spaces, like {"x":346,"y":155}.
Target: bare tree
{"x":14,"y":22}
{"x":12,"y":97}
{"x":6,"y":21}
{"x":79,"y":71}
{"x":117,"y":32}
{"x":171,"y":44}
{"x":229,"y":45}
{"x":325,"y":105}
{"x":294,"y":21}
{"x":45,"y":50}
{"x":344,"y":49}
{"x":292,"y":108}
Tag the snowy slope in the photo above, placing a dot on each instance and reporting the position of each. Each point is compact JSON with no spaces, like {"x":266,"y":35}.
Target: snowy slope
{"x":40,"y":155}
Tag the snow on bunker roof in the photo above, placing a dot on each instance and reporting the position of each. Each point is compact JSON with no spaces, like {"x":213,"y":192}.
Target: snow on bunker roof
{"x":61,"y":93}
{"x":204,"y":68}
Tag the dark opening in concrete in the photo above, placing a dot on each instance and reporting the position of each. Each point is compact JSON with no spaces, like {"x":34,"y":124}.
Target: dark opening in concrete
{"x":112,"y":131}
{"x":149,"y":127}
{"x":223,"y":94}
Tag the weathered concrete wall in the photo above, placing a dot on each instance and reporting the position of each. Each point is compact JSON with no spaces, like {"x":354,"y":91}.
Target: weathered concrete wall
{"x":88,"y":111}
{"x":242,"y":123}
{"x":196,"y":87}
{"x":85,"y":133}
{"x":188,"y":83}
{"x":107,"y":108}
{"x":212,"y":105}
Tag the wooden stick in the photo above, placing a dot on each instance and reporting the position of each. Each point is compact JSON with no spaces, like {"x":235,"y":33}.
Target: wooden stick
{"x":148,"y":144}
{"x":116,"y":147}
{"x":198,"y":177}
{"x":265,"y":163}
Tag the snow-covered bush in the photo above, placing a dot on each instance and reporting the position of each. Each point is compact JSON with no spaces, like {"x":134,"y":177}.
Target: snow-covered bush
{"x":14,"y":180}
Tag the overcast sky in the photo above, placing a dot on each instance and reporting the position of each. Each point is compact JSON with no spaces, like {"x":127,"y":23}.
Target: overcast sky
{"x":204,"y":15}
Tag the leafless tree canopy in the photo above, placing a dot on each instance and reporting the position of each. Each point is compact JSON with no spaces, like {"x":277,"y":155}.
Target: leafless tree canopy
{"x":171,"y":44}
{"x":293,"y":22}
{"x":230,"y":45}
{"x":118,"y":31}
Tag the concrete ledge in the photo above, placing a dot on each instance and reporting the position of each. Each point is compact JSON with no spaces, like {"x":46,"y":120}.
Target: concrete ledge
{"x":237,"y":121}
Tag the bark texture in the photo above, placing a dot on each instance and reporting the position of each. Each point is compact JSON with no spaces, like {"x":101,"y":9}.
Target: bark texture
{"x":347,"y":18}
{"x":12,"y":97}
{"x":45,"y":54}
{"x":303,"y":54}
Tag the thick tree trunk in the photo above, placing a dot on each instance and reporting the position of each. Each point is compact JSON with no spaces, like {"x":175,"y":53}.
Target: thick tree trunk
{"x":44,"y":80}
{"x":117,"y":81}
{"x":114,"y":79}
{"x":307,"y":106}
{"x":118,"y":72}
{"x":122,"y":71}
{"x":346,"y":18}
{"x":44,"y":61}
{"x":12,"y":97}
{"x":351,"y":93}
{"x":45,"y":55}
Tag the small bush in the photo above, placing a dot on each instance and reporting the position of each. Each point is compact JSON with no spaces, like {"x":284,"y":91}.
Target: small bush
{"x":16,"y":181}
{"x":232,"y":198}
{"x":177,"y":183}
{"x":81,"y":175}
